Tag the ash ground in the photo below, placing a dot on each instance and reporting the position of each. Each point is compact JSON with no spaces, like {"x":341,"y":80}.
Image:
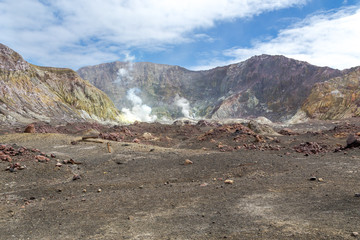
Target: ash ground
{"x":143,"y":190}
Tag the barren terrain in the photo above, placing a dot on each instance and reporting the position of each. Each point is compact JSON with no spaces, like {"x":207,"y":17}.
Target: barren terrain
{"x":181,"y":181}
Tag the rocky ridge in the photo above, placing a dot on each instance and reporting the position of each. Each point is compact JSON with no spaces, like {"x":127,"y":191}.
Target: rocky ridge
{"x":31,"y":93}
{"x":271,"y":86}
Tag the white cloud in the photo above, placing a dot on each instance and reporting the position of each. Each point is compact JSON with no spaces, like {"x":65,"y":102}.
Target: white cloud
{"x":328,"y":39}
{"x":81,"y":32}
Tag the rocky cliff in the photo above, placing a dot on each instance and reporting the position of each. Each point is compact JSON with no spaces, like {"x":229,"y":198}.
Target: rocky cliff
{"x":336,"y":98}
{"x":270,"y":86}
{"x":29,"y":93}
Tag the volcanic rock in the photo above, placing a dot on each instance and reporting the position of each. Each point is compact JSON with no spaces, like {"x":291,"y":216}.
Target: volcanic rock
{"x":352,"y":141}
{"x":310,"y":148}
{"x":30,"y":129}
{"x":262,"y":129}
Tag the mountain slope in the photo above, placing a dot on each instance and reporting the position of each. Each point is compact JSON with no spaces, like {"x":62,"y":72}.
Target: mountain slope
{"x":270,"y":86}
{"x":336,"y":98}
{"x":29,"y":93}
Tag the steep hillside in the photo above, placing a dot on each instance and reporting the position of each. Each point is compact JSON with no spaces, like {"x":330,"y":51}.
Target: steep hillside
{"x":270,"y":86}
{"x":29,"y":93}
{"x":336,"y":98}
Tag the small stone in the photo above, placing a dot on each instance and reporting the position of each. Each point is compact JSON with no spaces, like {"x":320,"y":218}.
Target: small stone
{"x":83,"y":199}
{"x":204,"y":184}
{"x":99,"y":190}
{"x":354,"y":234}
{"x":188,"y":162}
{"x":41,"y":158}
{"x":58,"y":164}
{"x":76,"y":177}
{"x":53,"y":155}
{"x":320,"y":179}
{"x":84,"y":190}
{"x":312,"y":178}
{"x":136,"y":140}
{"x":130,"y":218}
{"x":141,"y":186}
{"x":357,"y":195}
{"x":228,"y":181}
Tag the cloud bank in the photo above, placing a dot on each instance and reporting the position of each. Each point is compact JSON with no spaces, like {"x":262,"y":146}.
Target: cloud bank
{"x":80,"y":32}
{"x":327,"y":39}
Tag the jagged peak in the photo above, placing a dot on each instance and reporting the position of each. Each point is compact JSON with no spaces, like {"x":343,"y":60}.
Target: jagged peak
{"x":11,"y":60}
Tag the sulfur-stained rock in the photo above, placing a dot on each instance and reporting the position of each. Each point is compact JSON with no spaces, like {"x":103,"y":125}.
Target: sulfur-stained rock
{"x":60,"y":94}
{"x":337,"y":98}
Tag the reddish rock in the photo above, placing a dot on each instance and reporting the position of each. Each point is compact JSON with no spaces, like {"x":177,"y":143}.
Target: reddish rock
{"x":6,"y":158}
{"x":30,"y":129}
{"x":41,"y":158}
{"x":310,"y":148}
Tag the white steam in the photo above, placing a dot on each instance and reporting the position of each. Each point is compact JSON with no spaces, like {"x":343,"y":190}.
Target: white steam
{"x":184,"y":104}
{"x":139,"y":111}
{"x":125,"y":73}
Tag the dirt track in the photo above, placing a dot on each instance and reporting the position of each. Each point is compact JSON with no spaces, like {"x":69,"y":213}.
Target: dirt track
{"x":144,"y":191}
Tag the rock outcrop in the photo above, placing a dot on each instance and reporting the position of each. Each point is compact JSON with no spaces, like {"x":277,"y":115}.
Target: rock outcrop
{"x":271,"y":86}
{"x":31,"y":93}
{"x":336,"y":98}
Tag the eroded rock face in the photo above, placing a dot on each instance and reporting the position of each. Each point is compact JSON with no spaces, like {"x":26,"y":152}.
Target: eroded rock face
{"x":336,"y":98}
{"x":11,"y":60}
{"x":270,"y":86}
{"x":31,"y":93}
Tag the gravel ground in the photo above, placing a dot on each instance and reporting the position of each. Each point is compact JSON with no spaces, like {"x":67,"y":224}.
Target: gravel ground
{"x":240,"y":185}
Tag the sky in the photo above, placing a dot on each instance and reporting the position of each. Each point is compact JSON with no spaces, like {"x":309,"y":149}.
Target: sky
{"x":195,"y":34}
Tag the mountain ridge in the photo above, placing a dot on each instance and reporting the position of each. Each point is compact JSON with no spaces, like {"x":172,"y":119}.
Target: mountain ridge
{"x":264,"y":85}
{"x":33,"y":93}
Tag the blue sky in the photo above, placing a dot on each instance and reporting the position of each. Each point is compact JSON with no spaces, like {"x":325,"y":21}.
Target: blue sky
{"x":196,"y":34}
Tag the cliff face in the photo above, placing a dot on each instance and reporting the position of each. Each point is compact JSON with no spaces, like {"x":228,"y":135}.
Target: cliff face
{"x":336,"y":98}
{"x":29,"y":93}
{"x":270,"y":86}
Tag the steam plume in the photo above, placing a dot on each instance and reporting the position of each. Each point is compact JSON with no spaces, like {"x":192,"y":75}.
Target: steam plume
{"x":139,"y":111}
{"x":124,"y":73}
{"x":184,"y":104}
